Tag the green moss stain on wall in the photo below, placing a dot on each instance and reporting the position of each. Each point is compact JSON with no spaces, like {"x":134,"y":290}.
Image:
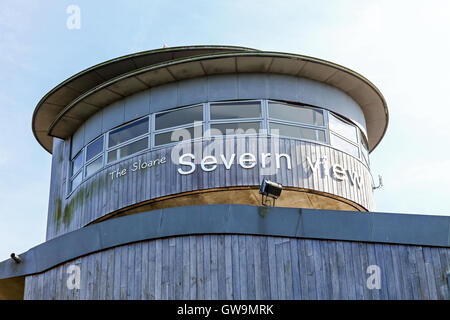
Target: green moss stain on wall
{"x":75,"y":202}
{"x":83,"y":195}
{"x":57,"y":212}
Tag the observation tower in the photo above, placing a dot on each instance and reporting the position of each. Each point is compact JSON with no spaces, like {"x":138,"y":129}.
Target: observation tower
{"x":157,"y":163}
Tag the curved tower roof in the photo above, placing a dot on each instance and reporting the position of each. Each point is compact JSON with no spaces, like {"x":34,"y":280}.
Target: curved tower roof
{"x":67,"y":106}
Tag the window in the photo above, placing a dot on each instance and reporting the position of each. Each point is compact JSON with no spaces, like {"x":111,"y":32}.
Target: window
{"x":236,"y":128}
{"x":178,"y":135}
{"x":364,"y":148}
{"x":343,"y":135}
{"x":75,"y":181}
{"x":75,"y":170}
{"x":290,"y":120}
{"x":343,"y":128}
{"x":94,"y":156}
{"x":173,"y":122}
{"x":128,"y":139}
{"x":127,"y":150}
{"x":344,"y":145}
{"x":235,"y":117}
{"x":178,"y":117}
{"x":295,"y":113}
{"x":235,"y":110}
{"x":128,"y":132}
{"x":297,"y":132}
{"x":77,"y":163}
{"x":94,"y":166}
{"x":94,"y":149}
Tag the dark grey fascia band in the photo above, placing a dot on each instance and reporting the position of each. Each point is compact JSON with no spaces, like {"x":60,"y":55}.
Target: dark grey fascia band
{"x":407,"y":229}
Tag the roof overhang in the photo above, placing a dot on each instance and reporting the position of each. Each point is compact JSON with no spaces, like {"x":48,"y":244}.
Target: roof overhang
{"x":61,"y":112}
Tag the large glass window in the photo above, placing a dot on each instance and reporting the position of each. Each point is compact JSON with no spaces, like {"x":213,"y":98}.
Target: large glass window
{"x":235,"y":110}
{"x":364,"y":148}
{"x":128,"y":132}
{"x":343,"y":128}
{"x":94,"y":156}
{"x":77,"y":163}
{"x":94,"y":166}
{"x":178,"y":135}
{"x":94,"y":149}
{"x":297,"y":132}
{"x":234,"y":117}
{"x":75,"y":181}
{"x":344,"y":145}
{"x":296,"y":113}
{"x":128,"y":139}
{"x":128,"y":149}
{"x":178,"y":117}
{"x":343,"y":135}
{"x":236,"y":128}
{"x":180,"y":124}
{"x":290,"y":120}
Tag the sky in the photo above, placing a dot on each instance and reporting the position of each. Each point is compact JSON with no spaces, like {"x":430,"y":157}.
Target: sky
{"x":402,"y":47}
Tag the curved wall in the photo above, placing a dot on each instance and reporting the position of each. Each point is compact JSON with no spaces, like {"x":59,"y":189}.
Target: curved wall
{"x":321,"y":169}
{"x":301,"y":164}
{"x":248,"y":267}
{"x":219,"y":88}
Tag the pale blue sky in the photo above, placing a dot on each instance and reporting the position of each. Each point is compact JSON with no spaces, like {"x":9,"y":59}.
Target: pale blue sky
{"x":401,"y":46}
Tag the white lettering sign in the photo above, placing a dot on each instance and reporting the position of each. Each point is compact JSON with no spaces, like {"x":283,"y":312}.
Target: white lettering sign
{"x":136,"y":166}
{"x":188,"y":163}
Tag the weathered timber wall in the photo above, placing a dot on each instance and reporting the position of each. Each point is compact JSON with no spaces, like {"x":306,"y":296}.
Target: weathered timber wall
{"x":249,"y":267}
{"x":100,"y":195}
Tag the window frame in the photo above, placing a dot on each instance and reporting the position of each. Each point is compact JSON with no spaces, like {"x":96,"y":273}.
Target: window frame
{"x":264,"y":121}
{"x":154,"y":132}
{"x":122,"y":144}
{"x":358,"y":137}
{"x":73,"y":175}
{"x":239,"y":120}
{"x":348,"y":123}
{"x":323,"y":128}
{"x":363,"y":144}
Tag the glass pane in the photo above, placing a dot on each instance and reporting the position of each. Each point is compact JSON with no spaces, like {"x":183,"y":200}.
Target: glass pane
{"x":343,"y":145}
{"x":128,"y":132}
{"x":236,"y":128}
{"x":344,"y":129}
{"x":178,"y":117}
{"x":363,"y":140}
{"x":297,"y":132}
{"x":94,"y":166}
{"x":179,"y":135}
{"x":76,"y":181}
{"x":94,"y":148}
{"x":127,"y":150}
{"x":77,"y":162}
{"x":236,"y":110}
{"x":295,"y":113}
{"x":365,"y":156}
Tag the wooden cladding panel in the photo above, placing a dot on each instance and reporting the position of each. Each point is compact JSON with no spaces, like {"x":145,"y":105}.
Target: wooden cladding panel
{"x":100,"y":195}
{"x":249,"y":267}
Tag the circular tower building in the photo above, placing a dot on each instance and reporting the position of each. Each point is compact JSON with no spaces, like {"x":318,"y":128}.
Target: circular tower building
{"x":158,"y":158}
